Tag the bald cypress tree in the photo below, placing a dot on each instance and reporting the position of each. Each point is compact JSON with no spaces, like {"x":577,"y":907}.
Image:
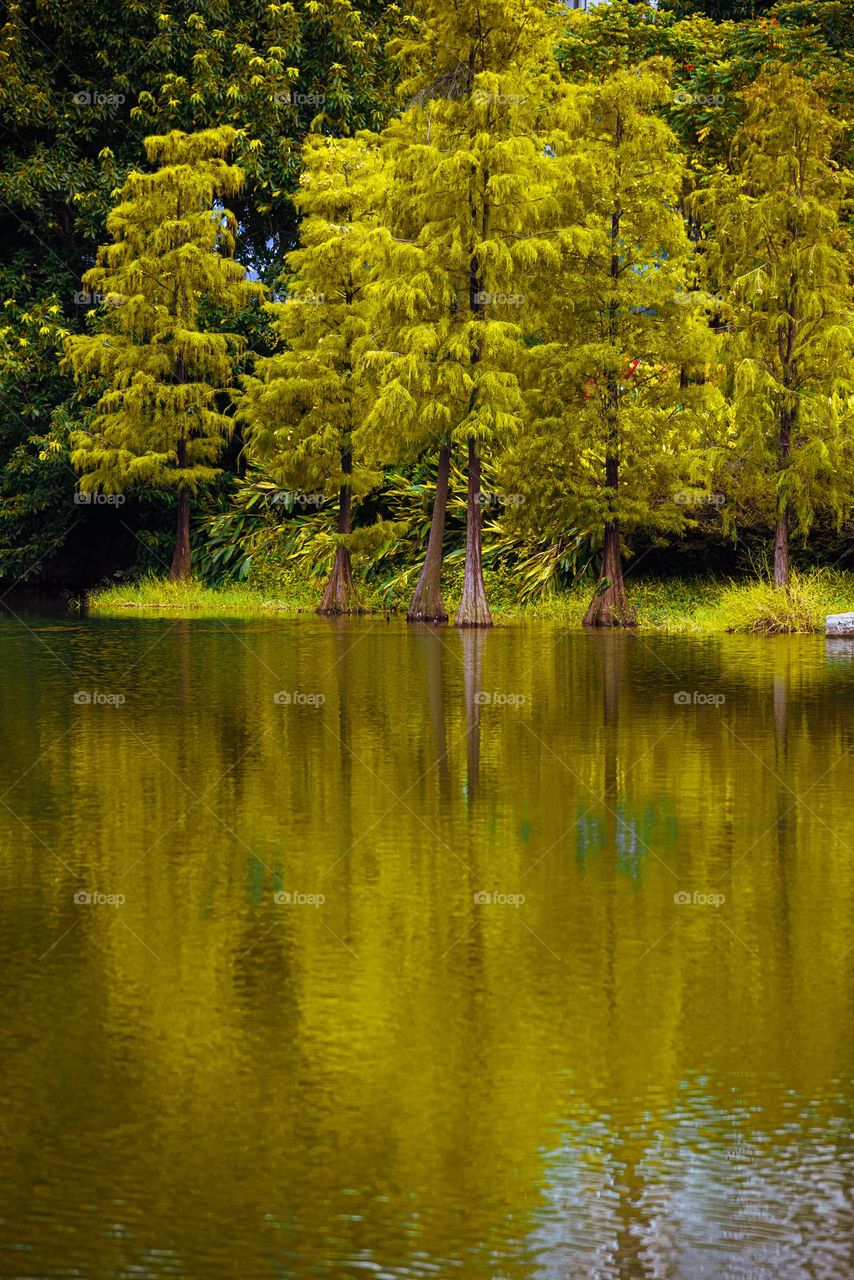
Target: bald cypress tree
{"x":462,"y":228}
{"x":303,"y":404}
{"x":159,"y":367}
{"x":413,"y":410}
{"x":612,"y":417}
{"x":780,"y":255}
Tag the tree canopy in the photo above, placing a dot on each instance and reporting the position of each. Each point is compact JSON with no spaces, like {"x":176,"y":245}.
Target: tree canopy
{"x":536,"y":277}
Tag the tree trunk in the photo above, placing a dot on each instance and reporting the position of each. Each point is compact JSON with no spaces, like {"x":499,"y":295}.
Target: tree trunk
{"x":787,"y":424}
{"x":340,"y":593}
{"x":610,"y":605}
{"x":781,"y":548}
{"x":781,"y":532}
{"x":474,"y":609}
{"x":181,"y":563}
{"x":427,"y":603}
{"x":181,"y":558}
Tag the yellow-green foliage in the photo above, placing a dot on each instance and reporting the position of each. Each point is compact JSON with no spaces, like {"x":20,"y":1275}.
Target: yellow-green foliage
{"x":779,"y":253}
{"x":619,"y":371}
{"x":469,"y":202}
{"x":303,"y":403}
{"x":158,"y":369}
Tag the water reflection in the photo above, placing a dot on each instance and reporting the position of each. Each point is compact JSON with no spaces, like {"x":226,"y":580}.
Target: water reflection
{"x":576,"y":999}
{"x":473,"y":644}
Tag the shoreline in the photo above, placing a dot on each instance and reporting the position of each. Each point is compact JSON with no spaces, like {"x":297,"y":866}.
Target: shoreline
{"x":664,"y":606}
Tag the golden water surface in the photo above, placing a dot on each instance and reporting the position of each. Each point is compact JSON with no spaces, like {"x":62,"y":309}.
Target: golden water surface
{"x":346,"y":949}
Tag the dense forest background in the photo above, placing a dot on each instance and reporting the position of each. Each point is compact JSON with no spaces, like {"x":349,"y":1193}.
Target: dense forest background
{"x":81,"y":87}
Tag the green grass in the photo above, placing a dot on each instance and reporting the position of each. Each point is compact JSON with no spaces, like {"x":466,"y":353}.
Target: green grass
{"x":675,"y":605}
{"x":714,"y":606}
{"x":669,"y":604}
{"x":161,"y":597}
{"x":758,"y":607}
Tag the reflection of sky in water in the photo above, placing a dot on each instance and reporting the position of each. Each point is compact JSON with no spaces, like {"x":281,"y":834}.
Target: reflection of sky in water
{"x":627,"y":830}
{"x":698,"y":1195}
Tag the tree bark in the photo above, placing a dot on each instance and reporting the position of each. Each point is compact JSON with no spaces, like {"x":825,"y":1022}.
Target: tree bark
{"x":781,"y":531}
{"x":181,"y":569}
{"x":474,"y":609}
{"x":427,"y":603}
{"x":788,"y":409}
{"x":781,"y":547}
{"x":340,"y":593}
{"x":610,"y":605}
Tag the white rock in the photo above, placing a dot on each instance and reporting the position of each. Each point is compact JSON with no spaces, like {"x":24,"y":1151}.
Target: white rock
{"x":839,"y":624}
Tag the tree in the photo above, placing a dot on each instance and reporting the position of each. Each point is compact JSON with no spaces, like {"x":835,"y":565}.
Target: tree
{"x":80,"y":89}
{"x":276,"y":72}
{"x":413,"y":410}
{"x":781,"y":257}
{"x":468,"y":200}
{"x":154,"y":354}
{"x":304,"y":403}
{"x":36,"y":481}
{"x":720,"y":10}
{"x":708,"y":61}
{"x":612,"y":400}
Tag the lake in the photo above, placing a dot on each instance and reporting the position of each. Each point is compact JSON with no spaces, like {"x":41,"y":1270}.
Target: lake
{"x":342,"y":949}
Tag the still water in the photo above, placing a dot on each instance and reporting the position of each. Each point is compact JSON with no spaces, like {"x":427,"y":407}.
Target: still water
{"x":346,"y":949}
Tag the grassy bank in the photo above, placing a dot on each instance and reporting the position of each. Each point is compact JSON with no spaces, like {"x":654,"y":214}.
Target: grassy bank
{"x":701,"y":606}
